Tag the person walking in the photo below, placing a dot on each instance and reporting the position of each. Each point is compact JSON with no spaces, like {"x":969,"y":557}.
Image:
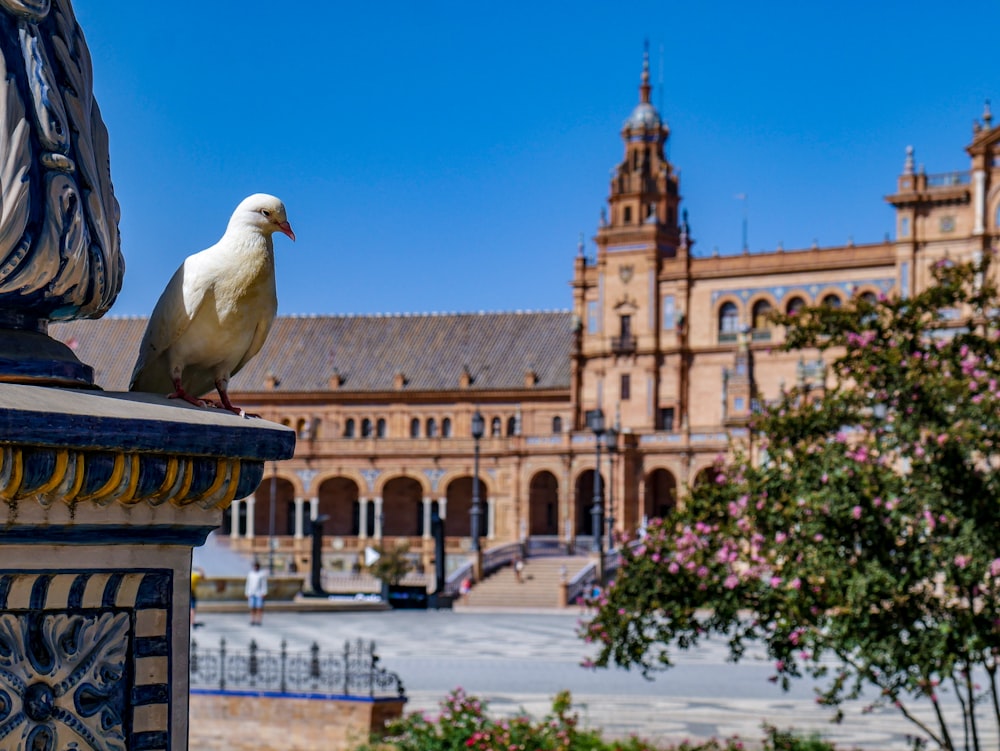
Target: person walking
{"x":256,"y":591}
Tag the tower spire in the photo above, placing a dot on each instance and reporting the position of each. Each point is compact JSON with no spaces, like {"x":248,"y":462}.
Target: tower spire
{"x":645,"y":87}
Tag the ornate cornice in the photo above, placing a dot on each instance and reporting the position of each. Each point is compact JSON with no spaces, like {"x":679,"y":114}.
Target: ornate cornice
{"x":62,"y":447}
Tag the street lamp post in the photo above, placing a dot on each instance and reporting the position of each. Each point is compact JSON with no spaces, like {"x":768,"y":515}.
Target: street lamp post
{"x":595,"y":420}
{"x":476,"y":514}
{"x":611,"y":439}
{"x":270,"y":528}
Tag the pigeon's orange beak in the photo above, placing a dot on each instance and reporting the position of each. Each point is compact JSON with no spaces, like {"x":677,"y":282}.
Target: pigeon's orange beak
{"x":287,"y":229}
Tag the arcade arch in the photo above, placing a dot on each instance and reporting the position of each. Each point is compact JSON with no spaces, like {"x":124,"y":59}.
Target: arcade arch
{"x":543,"y":504}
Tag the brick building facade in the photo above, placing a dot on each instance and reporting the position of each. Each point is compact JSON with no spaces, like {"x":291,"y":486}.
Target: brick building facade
{"x":673,"y":347}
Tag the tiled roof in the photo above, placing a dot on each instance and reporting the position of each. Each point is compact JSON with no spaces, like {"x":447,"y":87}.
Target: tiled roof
{"x":303,"y":353}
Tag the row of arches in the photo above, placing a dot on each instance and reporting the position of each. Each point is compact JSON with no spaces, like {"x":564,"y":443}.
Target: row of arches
{"x":402,"y":510}
{"x":730,"y":318}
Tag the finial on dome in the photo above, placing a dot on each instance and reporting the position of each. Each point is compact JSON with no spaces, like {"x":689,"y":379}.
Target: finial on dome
{"x":645,"y":87}
{"x":579,"y":246}
{"x":987,"y":114}
{"x":908,"y":164}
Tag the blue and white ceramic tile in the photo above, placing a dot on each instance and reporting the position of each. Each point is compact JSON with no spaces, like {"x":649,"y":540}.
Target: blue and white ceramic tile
{"x":84,"y":660}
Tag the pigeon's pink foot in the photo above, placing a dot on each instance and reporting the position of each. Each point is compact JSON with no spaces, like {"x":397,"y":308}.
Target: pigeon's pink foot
{"x":226,"y":404}
{"x":180,"y":393}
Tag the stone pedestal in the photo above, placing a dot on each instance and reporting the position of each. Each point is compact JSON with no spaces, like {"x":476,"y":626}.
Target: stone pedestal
{"x":102,"y":498}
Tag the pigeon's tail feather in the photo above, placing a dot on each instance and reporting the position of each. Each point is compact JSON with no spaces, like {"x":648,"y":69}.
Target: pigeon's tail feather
{"x":151,"y":378}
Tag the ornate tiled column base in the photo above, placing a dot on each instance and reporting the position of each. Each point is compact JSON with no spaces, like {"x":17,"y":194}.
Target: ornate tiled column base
{"x":102,"y":497}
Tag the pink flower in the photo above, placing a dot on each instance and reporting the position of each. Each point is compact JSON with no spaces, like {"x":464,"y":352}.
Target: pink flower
{"x":731,"y":581}
{"x":856,"y":512}
{"x":995,"y":567}
{"x":961,"y":561}
{"x":795,"y":583}
{"x":673,"y":568}
{"x":775,"y":581}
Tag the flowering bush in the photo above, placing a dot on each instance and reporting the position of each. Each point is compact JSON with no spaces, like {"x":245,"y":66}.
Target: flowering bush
{"x":463,"y":724}
{"x":861,"y":527}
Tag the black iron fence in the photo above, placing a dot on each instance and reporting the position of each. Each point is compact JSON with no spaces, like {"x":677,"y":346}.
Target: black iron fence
{"x":353,"y":672}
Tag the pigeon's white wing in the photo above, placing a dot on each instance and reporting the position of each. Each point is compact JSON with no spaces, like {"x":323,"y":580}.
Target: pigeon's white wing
{"x":259,"y":335}
{"x":171,"y":317}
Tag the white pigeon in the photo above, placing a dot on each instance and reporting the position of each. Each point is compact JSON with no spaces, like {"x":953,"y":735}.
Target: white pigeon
{"x":216,"y":311}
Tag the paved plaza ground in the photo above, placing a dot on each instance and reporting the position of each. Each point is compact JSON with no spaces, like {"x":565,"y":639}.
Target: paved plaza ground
{"x":520,"y":660}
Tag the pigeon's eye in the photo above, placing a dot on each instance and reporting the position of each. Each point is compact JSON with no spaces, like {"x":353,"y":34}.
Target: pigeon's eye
{"x":266,"y":213}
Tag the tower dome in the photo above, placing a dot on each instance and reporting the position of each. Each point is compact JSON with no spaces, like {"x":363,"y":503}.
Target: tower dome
{"x":644,"y":116}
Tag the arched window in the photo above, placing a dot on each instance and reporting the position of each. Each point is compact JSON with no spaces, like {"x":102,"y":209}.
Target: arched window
{"x":868,"y":300}
{"x":729,"y":321}
{"x":511,"y":426}
{"x":557,"y":424}
{"x":349,"y":428}
{"x":832,"y":301}
{"x":432,"y":427}
{"x":760,"y":314}
{"x":446,"y":428}
{"x":495,"y":427}
{"x":794,"y":306}
{"x":380,"y":428}
{"x":366,"y":428}
{"x":415,"y":428}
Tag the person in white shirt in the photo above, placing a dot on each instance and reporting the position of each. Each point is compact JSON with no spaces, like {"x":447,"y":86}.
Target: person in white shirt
{"x":256,"y":591}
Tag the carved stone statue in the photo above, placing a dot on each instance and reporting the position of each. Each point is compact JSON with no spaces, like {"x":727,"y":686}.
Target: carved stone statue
{"x":59,"y":243}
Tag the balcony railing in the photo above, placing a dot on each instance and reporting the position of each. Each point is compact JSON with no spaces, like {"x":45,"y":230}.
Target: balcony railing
{"x":623,"y":344}
{"x":947,"y":179}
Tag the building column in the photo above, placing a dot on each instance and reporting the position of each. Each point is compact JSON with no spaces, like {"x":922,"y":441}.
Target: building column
{"x":251,"y":514}
{"x":378,"y":518}
{"x":443,"y":507}
{"x":427,"y":518}
{"x":299,"y":502}
{"x":566,"y":504}
{"x":363,"y":518}
{"x":979,"y":202}
{"x":234,"y":518}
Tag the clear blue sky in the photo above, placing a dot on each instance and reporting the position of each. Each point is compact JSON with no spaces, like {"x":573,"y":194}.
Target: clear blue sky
{"x":445,"y":156}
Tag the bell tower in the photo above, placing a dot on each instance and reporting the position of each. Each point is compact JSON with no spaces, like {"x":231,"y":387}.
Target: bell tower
{"x":628,"y":299}
{"x":644,"y":193}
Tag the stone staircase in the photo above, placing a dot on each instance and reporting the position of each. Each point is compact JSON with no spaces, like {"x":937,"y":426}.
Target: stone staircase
{"x":540,"y":587}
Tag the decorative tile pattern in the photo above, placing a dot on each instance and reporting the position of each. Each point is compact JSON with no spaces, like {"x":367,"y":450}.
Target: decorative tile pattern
{"x":778,"y":293}
{"x":51,"y":475}
{"x":84,"y":660}
{"x":434,"y":476}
